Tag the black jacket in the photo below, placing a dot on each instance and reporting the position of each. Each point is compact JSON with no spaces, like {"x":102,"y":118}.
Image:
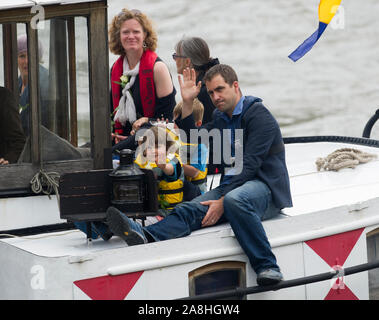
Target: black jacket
{"x":12,"y":137}
{"x":263,"y":149}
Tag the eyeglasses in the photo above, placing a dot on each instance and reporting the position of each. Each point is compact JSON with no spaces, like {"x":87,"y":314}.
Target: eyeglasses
{"x":176,"y":56}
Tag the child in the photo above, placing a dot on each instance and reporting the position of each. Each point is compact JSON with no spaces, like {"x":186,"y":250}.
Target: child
{"x":158,"y":153}
{"x":195,"y":170}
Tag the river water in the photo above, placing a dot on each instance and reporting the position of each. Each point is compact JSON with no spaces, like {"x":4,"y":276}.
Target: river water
{"x":332,"y":90}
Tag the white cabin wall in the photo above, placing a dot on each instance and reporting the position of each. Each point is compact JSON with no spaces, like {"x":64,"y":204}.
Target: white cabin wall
{"x":26,"y":212}
{"x":291,"y":261}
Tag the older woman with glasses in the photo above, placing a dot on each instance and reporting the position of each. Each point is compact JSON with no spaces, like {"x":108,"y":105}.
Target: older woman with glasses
{"x":193,"y":52}
{"x":141,"y":84}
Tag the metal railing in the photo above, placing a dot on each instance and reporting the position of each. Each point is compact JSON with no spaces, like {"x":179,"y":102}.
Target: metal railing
{"x":240,"y":292}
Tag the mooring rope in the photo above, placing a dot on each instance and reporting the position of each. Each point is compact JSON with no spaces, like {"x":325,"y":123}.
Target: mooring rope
{"x":343,"y":158}
{"x":45,"y":182}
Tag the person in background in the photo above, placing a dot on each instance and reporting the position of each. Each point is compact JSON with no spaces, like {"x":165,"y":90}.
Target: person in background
{"x":12,"y":138}
{"x":22,"y":60}
{"x":141,"y":84}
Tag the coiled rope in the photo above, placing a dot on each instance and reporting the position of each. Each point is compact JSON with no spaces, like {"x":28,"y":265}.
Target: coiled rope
{"x":45,"y":182}
{"x":343,"y":158}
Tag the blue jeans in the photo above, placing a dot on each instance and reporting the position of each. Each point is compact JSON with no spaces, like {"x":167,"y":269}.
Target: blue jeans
{"x":244,"y":208}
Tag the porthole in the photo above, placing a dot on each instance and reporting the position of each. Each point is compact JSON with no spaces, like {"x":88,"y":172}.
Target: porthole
{"x":216,"y":277}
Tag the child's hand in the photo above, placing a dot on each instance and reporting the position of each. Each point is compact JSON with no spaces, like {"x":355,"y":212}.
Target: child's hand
{"x":162,"y":122}
{"x":160,"y":157}
{"x":161,"y":166}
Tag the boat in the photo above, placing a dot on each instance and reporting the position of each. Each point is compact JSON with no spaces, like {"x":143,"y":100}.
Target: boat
{"x":325,"y":244}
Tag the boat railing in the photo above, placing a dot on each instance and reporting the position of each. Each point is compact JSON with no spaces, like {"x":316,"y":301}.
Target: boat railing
{"x":370,"y":123}
{"x":341,"y":139}
{"x":241,"y":292}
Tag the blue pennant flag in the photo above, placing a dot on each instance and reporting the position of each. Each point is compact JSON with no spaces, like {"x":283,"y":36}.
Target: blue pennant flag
{"x":326,"y":12}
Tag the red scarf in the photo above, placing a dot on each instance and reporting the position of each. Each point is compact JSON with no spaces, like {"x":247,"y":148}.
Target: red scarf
{"x":146,"y":80}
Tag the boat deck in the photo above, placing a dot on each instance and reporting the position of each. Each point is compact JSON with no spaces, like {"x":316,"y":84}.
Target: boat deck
{"x":314,"y":190}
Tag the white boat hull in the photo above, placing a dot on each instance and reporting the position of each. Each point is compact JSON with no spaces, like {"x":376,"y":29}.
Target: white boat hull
{"x":328,"y":228}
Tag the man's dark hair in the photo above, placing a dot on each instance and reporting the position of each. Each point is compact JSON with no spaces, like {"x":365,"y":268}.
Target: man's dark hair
{"x":224,"y":71}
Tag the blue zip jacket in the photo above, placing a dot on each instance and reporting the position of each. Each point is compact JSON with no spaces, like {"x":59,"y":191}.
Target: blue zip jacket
{"x":263,"y":149}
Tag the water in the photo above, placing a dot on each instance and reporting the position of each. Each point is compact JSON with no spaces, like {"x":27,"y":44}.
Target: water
{"x":333,"y":90}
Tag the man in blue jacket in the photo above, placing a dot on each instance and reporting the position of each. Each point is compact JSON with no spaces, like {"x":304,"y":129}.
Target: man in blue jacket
{"x":252,"y":190}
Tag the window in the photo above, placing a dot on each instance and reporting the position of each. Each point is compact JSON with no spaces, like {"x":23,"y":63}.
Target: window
{"x":13,"y":70}
{"x":219,"y":276}
{"x":64,"y":135}
{"x":62,"y":92}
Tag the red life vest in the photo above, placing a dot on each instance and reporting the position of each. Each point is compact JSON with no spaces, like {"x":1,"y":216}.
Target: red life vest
{"x":146,"y":80}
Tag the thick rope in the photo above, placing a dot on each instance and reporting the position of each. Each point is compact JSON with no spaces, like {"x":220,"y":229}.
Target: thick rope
{"x":45,"y":182}
{"x":344,"y":158}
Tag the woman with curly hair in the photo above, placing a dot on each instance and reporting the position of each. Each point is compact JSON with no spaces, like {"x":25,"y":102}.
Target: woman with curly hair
{"x":141,"y":84}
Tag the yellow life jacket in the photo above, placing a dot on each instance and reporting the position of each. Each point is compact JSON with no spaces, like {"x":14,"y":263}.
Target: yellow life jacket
{"x":201,"y":178}
{"x":170,"y":194}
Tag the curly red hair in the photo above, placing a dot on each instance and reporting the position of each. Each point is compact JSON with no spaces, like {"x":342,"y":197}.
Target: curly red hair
{"x":115,"y":45}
